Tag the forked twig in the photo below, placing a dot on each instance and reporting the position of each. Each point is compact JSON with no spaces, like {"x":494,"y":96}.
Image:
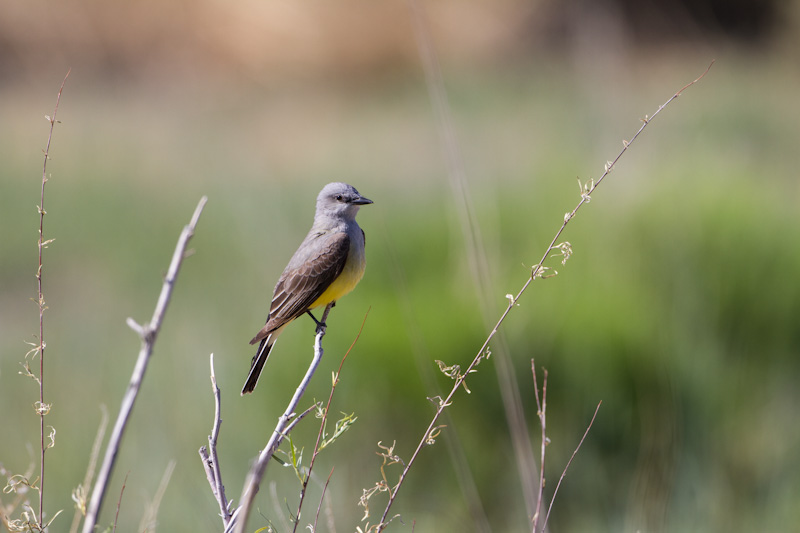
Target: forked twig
{"x":210,"y":457}
{"x":147,"y":333}
{"x":541,"y":405}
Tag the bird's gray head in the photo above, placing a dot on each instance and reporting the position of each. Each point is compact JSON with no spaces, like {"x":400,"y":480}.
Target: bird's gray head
{"x":340,"y":200}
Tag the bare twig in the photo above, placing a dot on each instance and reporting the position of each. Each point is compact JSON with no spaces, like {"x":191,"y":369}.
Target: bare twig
{"x":210,"y":457}
{"x":538,"y":271}
{"x":242,"y":513}
{"x":321,"y":431}
{"x":148,"y":333}
{"x":564,"y":473}
{"x":41,"y":408}
{"x":541,"y":405}
{"x":297,"y":418}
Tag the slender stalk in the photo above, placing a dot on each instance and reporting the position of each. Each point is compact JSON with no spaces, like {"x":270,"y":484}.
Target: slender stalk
{"x":119,"y":504}
{"x":321,"y":498}
{"x":41,"y":408}
{"x":564,"y":473}
{"x":537,"y":271}
{"x":320,"y":434}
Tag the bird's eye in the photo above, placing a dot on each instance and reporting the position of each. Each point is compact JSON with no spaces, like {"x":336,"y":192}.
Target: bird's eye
{"x":339,"y":197}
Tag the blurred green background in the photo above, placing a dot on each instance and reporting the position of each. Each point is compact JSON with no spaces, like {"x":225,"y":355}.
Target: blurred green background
{"x":679,"y":309}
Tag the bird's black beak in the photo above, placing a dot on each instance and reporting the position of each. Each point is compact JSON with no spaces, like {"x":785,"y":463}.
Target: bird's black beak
{"x":361,"y":201}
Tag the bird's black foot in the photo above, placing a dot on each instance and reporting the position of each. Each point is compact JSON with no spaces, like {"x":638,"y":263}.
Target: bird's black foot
{"x":319,"y":324}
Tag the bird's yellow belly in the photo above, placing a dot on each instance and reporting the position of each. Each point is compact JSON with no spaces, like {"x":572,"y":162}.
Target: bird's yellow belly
{"x":346,"y":282}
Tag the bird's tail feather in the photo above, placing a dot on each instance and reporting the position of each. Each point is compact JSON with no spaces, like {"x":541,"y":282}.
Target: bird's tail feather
{"x":257,"y":364}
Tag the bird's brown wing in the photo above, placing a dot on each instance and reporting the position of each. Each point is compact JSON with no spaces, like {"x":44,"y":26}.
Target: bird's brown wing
{"x":300,"y":286}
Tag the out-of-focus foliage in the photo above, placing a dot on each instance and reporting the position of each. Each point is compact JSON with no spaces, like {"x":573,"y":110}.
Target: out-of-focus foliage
{"x":678,"y":308}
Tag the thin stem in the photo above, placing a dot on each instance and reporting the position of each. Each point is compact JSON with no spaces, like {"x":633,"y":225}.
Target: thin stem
{"x":564,"y":473}
{"x":119,"y":503}
{"x":536,"y":272}
{"x":321,"y":431}
{"x":40,"y":299}
{"x":321,"y":499}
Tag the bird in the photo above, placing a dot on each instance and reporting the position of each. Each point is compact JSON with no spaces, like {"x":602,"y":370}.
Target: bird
{"x":327,"y":265}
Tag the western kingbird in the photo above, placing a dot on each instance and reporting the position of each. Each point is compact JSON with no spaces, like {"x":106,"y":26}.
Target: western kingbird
{"x":328,"y":264}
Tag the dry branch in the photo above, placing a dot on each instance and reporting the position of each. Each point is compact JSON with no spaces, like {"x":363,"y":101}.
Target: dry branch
{"x":210,"y":457}
{"x":147,"y":333}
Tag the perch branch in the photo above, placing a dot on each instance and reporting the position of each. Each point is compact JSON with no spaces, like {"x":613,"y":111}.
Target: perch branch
{"x":241,"y":514}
